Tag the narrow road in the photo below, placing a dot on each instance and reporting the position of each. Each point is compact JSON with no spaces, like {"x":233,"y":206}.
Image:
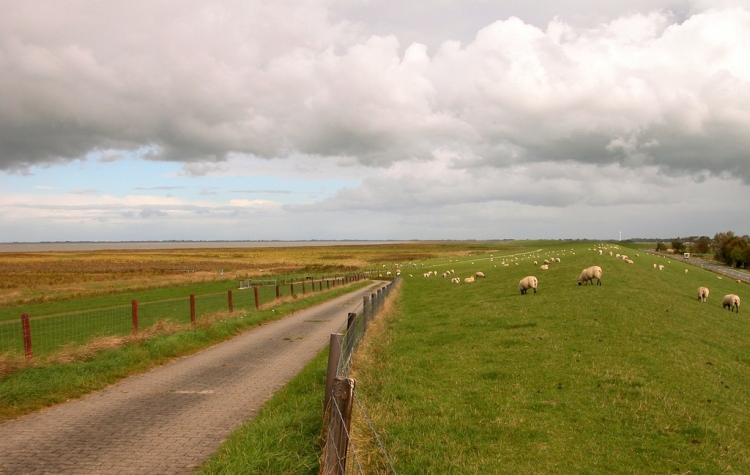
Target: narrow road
{"x":737,"y":274}
{"x":171,"y":419}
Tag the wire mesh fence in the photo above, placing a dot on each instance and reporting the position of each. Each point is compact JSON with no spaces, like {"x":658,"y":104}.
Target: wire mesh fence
{"x":343,"y":454}
{"x":47,"y":334}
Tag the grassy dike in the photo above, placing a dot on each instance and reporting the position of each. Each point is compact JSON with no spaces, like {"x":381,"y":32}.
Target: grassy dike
{"x":634,"y":376}
{"x":101,"y":364}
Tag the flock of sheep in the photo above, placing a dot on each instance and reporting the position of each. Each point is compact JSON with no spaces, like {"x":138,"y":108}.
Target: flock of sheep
{"x":590,"y":274}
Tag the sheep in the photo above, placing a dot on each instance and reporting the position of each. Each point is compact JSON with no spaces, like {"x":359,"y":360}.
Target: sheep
{"x":544,"y":267}
{"x":610,"y":253}
{"x":703,"y":293}
{"x":469,"y":280}
{"x":719,"y":277}
{"x":600,"y":252}
{"x":617,"y":256}
{"x":686,"y":271}
{"x":558,"y":259}
{"x":731,"y":301}
{"x":535,"y":263}
{"x":527,"y":283}
{"x":455,"y":280}
{"x":654,"y":266}
{"x":629,"y":261}
{"x":479,"y":275}
{"x":589,"y":274}
{"x":546,"y":261}
{"x":661,"y":267}
{"x":637,"y":255}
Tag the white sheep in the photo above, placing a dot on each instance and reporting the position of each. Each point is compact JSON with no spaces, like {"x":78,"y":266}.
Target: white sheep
{"x":529,"y":282}
{"x":535,"y":263}
{"x":703,"y":293}
{"x":719,"y":277}
{"x":558,"y":259}
{"x":479,"y":275}
{"x":600,"y":252}
{"x":455,"y":280}
{"x":661,"y":267}
{"x":730,"y":302}
{"x":654,"y":266}
{"x":629,"y":261}
{"x":544,"y":267}
{"x":469,"y":280}
{"x":546,"y":261}
{"x":589,"y":274}
{"x":617,"y":256}
{"x":686,"y":271}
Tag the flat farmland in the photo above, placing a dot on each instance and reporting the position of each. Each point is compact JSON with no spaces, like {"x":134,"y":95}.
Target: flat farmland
{"x":38,"y":277}
{"x":633,"y":376}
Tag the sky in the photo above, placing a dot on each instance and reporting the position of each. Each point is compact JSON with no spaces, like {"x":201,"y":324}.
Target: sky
{"x":357,"y":119}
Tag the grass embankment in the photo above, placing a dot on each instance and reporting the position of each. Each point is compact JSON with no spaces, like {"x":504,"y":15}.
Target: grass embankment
{"x":72,"y":374}
{"x":635,"y":376}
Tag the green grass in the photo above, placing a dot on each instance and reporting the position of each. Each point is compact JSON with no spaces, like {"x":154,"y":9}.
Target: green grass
{"x":145,"y":296}
{"x":53,"y":333}
{"x":634,"y":376}
{"x":283,"y":436}
{"x":44,"y":384}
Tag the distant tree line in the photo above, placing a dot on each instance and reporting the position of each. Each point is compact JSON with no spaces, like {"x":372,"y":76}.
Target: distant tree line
{"x":727,"y":247}
{"x":732,"y":250}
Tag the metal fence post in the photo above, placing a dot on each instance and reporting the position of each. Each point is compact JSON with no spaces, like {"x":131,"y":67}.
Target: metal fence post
{"x":26,"y":328}
{"x":134,"y":313}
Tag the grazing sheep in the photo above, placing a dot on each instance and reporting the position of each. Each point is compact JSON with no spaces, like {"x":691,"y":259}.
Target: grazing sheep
{"x":731,"y":301}
{"x":637,"y":255}
{"x":617,"y":256}
{"x":527,"y":283}
{"x":610,"y":253}
{"x":589,"y":274}
{"x":654,"y":266}
{"x":719,"y":277}
{"x":469,"y":280}
{"x":535,"y":263}
{"x":455,"y":280}
{"x":479,"y":275}
{"x":686,"y":271}
{"x":558,"y":259}
{"x":702,"y":293}
{"x":546,"y":261}
{"x":629,"y":261}
{"x":544,"y":267}
{"x":661,"y":267}
{"x":600,"y":252}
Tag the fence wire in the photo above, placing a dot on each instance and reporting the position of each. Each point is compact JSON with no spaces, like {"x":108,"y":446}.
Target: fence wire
{"x":355,"y":329}
{"x":52,"y":333}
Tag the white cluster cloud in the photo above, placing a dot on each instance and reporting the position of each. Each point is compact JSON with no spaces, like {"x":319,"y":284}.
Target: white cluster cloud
{"x":198,"y":81}
{"x":628,"y":109}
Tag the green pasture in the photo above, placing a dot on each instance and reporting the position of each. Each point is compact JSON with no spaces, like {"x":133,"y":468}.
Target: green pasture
{"x":633,"y":376}
{"x":51,"y":333}
{"x":151,"y":295}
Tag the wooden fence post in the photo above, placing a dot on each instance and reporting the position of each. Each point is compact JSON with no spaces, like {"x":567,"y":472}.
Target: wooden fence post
{"x":229,"y":298}
{"x":303,"y":287}
{"x":339,"y":425}
{"x":26,"y":328}
{"x":277,"y":291}
{"x":257,"y":302}
{"x":291,"y":288}
{"x":192,"y":309}
{"x":134,"y":312}
{"x":334,"y":355}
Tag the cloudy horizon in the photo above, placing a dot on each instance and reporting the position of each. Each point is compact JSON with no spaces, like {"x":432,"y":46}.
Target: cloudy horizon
{"x":373,"y":120}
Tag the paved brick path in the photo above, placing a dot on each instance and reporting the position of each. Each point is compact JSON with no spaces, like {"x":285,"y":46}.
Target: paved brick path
{"x":171,"y":419}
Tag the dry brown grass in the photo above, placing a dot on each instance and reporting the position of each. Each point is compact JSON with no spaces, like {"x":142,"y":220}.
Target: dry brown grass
{"x":35,"y":277}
